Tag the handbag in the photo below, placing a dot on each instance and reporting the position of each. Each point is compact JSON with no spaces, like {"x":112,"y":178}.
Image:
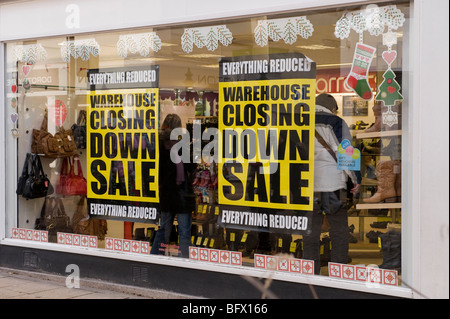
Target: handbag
{"x":61,"y":144}
{"x":83,"y":224}
{"x":75,"y":184}
{"x":63,"y":174}
{"x":33,"y":183}
{"x":79,"y":130}
{"x":53,"y":218}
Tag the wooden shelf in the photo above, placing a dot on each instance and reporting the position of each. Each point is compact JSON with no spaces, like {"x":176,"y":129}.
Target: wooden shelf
{"x":379,"y":134}
{"x":378,"y":205}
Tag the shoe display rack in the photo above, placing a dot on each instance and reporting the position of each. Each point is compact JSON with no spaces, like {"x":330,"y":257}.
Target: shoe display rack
{"x":380,"y":195}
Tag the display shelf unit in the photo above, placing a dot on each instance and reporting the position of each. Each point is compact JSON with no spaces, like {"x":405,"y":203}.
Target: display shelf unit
{"x":378,"y":134}
{"x":378,"y":205}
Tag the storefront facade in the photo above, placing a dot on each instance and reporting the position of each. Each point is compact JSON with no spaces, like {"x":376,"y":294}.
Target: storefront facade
{"x":98,"y":96}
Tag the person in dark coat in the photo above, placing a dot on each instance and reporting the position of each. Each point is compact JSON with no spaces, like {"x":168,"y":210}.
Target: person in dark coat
{"x":171,"y":192}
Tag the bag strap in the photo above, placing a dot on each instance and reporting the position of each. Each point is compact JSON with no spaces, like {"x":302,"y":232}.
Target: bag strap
{"x":81,"y":118}
{"x":38,"y":169}
{"x":325,"y":145}
{"x":26,"y":165}
{"x":76,"y":159}
{"x":44,"y":121}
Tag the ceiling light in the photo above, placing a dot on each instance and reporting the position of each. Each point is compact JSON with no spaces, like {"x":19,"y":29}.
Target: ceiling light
{"x":201,"y":56}
{"x":315,"y":47}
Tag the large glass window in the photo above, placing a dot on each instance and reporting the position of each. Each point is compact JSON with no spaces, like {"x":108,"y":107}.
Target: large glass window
{"x":271,"y":142}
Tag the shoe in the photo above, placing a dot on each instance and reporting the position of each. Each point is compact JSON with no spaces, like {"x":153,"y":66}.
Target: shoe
{"x":352,"y":239}
{"x":373,"y":236}
{"x":351,"y":228}
{"x":386,"y":184}
{"x":380,"y":225}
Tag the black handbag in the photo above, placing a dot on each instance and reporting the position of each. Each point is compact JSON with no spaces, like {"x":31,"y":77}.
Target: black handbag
{"x":33,"y":183}
{"x":53,"y":218}
{"x":79,"y":130}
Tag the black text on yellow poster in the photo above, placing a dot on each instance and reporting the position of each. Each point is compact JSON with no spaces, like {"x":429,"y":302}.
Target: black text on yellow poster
{"x":266,"y":124}
{"x":122,"y":153}
{"x":267,"y":131}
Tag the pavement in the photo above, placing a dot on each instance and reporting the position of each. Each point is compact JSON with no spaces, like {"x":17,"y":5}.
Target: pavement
{"x":20,"y":284}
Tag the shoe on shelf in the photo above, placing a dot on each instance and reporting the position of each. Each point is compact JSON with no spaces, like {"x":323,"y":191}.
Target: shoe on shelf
{"x":380,"y":225}
{"x":373,"y":236}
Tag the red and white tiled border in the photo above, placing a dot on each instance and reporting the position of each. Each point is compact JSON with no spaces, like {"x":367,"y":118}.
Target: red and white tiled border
{"x":216,"y":256}
{"x":30,"y":234}
{"x":77,"y":240}
{"x":285,"y":264}
{"x":365,"y":274}
{"x":127,"y":245}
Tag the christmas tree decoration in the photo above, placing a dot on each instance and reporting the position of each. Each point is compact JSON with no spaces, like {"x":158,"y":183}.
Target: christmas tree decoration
{"x":373,"y":19}
{"x":142,"y":43}
{"x":79,"y":49}
{"x":388,"y":91}
{"x":357,"y":79}
{"x":208,"y":37}
{"x":30,"y":53}
{"x":286,"y":29}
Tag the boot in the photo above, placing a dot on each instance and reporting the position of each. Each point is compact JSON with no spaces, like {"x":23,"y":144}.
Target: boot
{"x":391,"y":249}
{"x":376,"y":127}
{"x":386,"y":184}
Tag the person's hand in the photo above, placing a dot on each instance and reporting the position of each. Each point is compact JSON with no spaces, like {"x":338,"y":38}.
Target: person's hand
{"x":356,"y":189}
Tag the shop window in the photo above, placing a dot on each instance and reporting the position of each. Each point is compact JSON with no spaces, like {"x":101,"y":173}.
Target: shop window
{"x":253,"y":105}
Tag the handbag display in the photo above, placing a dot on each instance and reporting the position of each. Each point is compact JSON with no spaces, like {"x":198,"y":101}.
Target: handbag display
{"x":33,"y":183}
{"x":71,"y":183}
{"x":53,"y":218}
{"x":61,"y":144}
{"x":79,"y":130}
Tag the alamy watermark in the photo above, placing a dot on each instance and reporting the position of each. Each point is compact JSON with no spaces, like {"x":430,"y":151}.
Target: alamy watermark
{"x":73,"y":280}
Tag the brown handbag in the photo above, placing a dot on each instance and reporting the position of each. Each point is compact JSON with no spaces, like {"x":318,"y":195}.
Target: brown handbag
{"x":44,"y":143}
{"x":84,"y":225}
{"x":53,"y":218}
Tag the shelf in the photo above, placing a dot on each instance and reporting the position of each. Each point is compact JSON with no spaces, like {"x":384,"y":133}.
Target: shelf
{"x":379,"y":134}
{"x":378,"y":205}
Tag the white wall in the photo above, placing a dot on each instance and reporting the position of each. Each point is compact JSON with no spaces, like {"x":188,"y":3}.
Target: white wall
{"x":31,"y":19}
{"x":427,"y":154}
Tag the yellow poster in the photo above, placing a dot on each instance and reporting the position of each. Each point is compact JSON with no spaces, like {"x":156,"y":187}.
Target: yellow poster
{"x":267,"y":130}
{"x":266,"y":153}
{"x":122,"y":145}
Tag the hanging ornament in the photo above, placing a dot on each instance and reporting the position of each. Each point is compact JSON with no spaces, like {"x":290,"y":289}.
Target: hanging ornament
{"x":30,"y":53}
{"x":208,"y":37}
{"x":14,"y":130}
{"x":79,"y":49}
{"x":373,"y":19}
{"x":142,"y":43}
{"x":286,"y":29}
{"x":357,"y":79}
{"x":389,"y":89}
{"x":26,"y":69}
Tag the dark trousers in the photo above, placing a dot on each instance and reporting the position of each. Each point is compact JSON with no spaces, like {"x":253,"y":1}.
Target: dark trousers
{"x":330,"y":204}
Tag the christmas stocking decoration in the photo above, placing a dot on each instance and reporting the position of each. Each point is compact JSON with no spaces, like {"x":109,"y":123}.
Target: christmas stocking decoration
{"x":357,"y":79}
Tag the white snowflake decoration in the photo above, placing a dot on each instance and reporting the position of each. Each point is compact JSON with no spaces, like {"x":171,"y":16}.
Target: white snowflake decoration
{"x":389,"y":117}
{"x":79,"y":49}
{"x":142,"y":43}
{"x":373,"y":19}
{"x":286,"y":29}
{"x":208,"y":37}
{"x":30,"y":53}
